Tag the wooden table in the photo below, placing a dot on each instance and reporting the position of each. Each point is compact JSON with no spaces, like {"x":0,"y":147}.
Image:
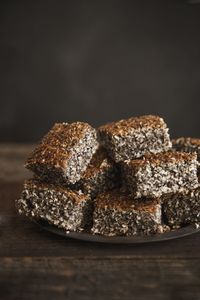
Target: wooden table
{"x":35,"y":264}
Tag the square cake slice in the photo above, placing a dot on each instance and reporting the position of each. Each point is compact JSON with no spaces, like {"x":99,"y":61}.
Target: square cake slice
{"x":62,"y":207}
{"x":117,"y":213}
{"x":134,"y":137}
{"x":182,"y":208}
{"x":101,"y":175}
{"x":64,"y":153}
{"x":161,"y":173}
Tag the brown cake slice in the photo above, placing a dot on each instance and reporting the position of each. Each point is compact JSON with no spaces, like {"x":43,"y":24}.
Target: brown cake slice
{"x":161,"y":173}
{"x":67,"y":209}
{"x":64,"y":153}
{"x":117,"y":213}
{"x":182,"y":208}
{"x":101,"y":175}
{"x":134,"y":137}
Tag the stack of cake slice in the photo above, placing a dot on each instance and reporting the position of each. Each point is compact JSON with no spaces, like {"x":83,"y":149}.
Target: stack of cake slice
{"x":70,"y":168}
{"x":123,"y":178}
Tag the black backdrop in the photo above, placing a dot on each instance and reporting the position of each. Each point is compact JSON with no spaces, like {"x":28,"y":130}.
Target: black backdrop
{"x":98,"y":61}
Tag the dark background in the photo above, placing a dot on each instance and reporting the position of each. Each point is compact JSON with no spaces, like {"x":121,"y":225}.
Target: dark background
{"x":98,"y":61}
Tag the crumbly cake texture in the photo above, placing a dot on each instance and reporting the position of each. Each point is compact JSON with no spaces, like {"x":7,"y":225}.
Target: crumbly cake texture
{"x":101,"y":175}
{"x":62,"y":207}
{"x":64,"y":153}
{"x":116,"y":213}
{"x":182,"y":208}
{"x":134,"y":137}
{"x":161,"y":173}
{"x":188,"y":144}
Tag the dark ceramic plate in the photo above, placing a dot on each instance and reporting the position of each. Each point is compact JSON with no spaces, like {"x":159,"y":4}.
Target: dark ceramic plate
{"x":184,"y":231}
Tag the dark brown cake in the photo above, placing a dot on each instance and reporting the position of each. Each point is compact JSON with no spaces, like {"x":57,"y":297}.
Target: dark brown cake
{"x":134,"y":137}
{"x":161,"y":173}
{"x":182,"y":208}
{"x":116,"y":213}
{"x":64,"y":153}
{"x":62,"y":207}
{"x":101,"y":175}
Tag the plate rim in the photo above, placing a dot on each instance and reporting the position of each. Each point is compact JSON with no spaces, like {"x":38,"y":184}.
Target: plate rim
{"x":135,"y":239}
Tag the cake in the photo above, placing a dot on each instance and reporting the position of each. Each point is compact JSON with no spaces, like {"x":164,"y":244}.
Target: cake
{"x":67,"y":209}
{"x":117,"y":213}
{"x":64,"y":153}
{"x":188,"y":144}
{"x":182,"y":208}
{"x":101,"y":175}
{"x":135,"y":137}
{"x":161,"y":173}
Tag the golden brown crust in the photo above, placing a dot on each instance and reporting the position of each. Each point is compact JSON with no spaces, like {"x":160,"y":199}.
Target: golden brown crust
{"x":54,"y":149}
{"x":164,"y":157}
{"x":123,"y":126}
{"x":118,"y":199}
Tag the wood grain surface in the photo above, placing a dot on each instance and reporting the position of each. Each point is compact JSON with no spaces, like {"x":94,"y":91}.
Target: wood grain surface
{"x":35,"y":264}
